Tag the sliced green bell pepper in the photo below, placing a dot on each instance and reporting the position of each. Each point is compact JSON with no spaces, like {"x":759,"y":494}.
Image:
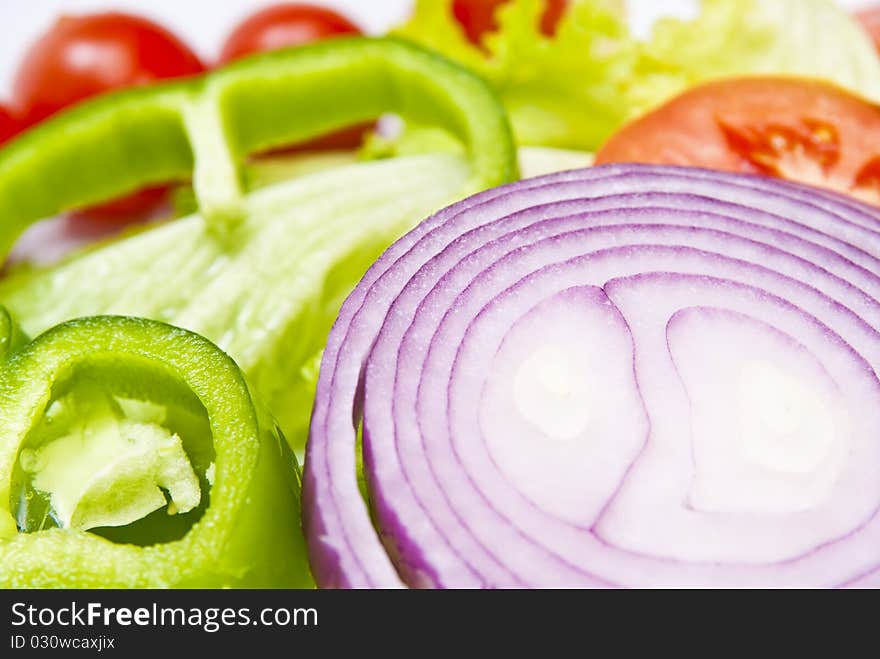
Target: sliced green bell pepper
{"x":259,"y":272}
{"x":11,"y":336}
{"x":98,"y":417}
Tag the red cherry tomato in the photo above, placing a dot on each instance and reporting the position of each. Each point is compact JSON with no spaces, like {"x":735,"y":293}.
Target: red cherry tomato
{"x":81,"y":56}
{"x":10,"y":124}
{"x":131,"y":208}
{"x":477,"y":17}
{"x":287,"y":25}
{"x":282,"y":26}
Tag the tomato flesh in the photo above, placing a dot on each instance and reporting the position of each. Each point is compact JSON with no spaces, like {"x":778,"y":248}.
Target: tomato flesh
{"x":797,"y":129}
{"x":782,"y":150}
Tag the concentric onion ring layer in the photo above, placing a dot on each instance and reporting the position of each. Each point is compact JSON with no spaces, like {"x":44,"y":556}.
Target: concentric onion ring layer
{"x":619,"y":376}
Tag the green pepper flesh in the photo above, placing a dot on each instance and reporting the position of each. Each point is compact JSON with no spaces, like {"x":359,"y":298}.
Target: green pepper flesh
{"x":261,"y":273}
{"x":248,"y":533}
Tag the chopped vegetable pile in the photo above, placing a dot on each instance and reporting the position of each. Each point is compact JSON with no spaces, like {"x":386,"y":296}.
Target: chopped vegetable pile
{"x":655,"y":365}
{"x":261,"y":274}
{"x":575,"y":88}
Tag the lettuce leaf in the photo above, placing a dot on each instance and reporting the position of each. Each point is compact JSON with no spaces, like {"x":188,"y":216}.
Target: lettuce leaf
{"x":736,"y":37}
{"x":574,"y":89}
{"x":563,"y":91}
{"x":270,"y":302}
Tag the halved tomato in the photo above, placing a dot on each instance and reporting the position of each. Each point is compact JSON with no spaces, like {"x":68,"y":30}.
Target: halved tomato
{"x":793,"y":128}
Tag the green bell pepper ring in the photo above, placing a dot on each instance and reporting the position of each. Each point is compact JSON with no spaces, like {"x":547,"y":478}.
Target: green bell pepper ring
{"x":205,"y":126}
{"x":77,"y":483}
{"x":262,"y":273}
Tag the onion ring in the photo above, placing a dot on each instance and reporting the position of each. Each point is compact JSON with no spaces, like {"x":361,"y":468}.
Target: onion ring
{"x":627,"y":376}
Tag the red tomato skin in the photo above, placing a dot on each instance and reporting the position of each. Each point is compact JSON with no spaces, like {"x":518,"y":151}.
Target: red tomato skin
{"x":799,"y":129}
{"x":81,"y":56}
{"x":477,"y":17}
{"x":284,"y":25}
{"x":87,"y":55}
{"x":552,"y":15}
{"x":134,"y":207}
{"x":288,"y":25}
{"x":10,"y":124}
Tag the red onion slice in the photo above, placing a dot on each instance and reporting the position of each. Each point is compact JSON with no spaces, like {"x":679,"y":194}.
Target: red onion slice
{"x":620,"y":376}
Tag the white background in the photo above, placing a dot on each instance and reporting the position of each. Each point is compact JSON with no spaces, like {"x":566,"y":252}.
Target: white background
{"x":204,"y":23}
